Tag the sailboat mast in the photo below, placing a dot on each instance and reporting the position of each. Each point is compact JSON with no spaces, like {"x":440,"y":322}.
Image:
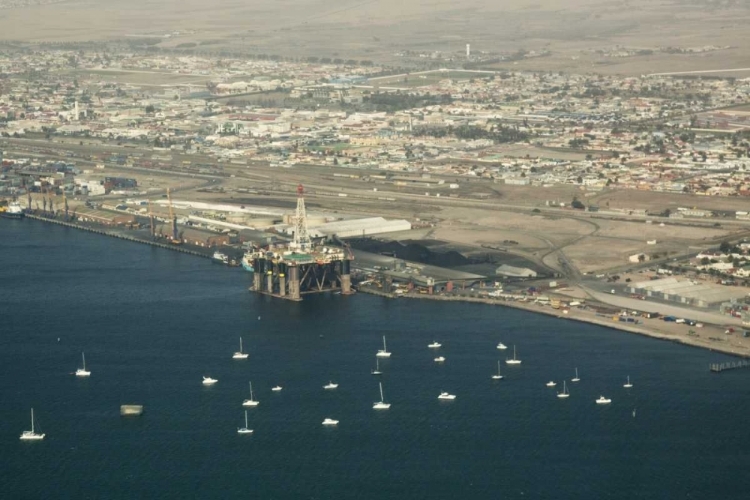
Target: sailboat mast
{"x":251,"y":391}
{"x":381,"y":391}
{"x":245,"y":419}
{"x":83,"y":355}
{"x":32,"y":420}
{"x":384,"y":347}
{"x":240,"y":344}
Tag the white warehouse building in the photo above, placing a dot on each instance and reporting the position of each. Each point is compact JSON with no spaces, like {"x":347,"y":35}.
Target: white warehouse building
{"x":361,"y":227}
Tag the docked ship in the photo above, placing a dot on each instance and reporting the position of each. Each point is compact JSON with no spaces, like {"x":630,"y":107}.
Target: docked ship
{"x":12,"y":211}
{"x":221,"y":257}
{"x":247,"y":262}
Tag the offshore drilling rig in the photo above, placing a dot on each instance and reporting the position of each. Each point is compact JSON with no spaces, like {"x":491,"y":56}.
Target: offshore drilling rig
{"x":289,"y":271}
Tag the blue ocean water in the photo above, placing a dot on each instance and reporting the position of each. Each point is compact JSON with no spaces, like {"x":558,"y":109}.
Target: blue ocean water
{"x":153,"y":322}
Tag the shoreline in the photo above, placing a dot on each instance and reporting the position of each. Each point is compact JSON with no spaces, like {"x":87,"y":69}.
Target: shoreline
{"x":583,"y":316}
{"x":580,"y":316}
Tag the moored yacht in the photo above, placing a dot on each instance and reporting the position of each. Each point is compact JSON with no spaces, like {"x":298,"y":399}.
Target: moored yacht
{"x":445,"y":395}
{"x":513,"y":361}
{"x":627,"y":385}
{"x":497,"y":376}
{"x":251,"y":401}
{"x":31,"y":435}
{"x":83,"y":372}
{"x":383,"y":353}
{"x":381,"y":405}
{"x":330,"y":421}
{"x":239,"y":354}
{"x":603,"y":401}
{"x":244,"y":430}
{"x":330,"y":385}
{"x":435,"y":345}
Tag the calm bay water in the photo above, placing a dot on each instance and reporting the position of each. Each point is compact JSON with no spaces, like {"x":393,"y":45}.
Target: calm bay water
{"x":153,"y":322}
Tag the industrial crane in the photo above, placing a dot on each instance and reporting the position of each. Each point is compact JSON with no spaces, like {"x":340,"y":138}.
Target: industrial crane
{"x":151,"y":219}
{"x":175,"y":239}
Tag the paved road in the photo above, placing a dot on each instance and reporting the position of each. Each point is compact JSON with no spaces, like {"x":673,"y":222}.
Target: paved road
{"x":663,"y":309}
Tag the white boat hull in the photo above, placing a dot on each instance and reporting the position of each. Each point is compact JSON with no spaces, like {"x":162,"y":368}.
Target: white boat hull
{"x":563,"y":396}
{"x":239,"y":355}
{"x":382,"y":354}
{"x":28,"y":436}
{"x":381,"y":406}
{"x":249,"y":402}
{"x":83,"y":373}
{"x":244,"y":431}
{"x":512,"y":362}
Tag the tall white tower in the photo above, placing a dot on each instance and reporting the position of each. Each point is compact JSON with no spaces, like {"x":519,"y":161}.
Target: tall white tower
{"x":76,"y":111}
{"x":301,"y":241}
{"x":468,"y":50}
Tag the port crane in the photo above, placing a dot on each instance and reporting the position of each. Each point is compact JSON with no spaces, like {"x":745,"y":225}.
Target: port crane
{"x":151,"y":219}
{"x":175,"y":238}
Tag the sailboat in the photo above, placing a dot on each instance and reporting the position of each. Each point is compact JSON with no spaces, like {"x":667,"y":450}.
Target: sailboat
{"x":627,"y":385}
{"x":240,"y":354}
{"x":498,"y":376}
{"x":564,"y":393}
{"x":377,"y":371}
{"x":381,"y":405}
{"x":384,"y":352}
{"x":576,"y":379}
{"x":31,"y":435}
{"x":513,"y":361}
{"x":244,"y":430}
{"x":83,"y":372}
{"x":251,"y":401}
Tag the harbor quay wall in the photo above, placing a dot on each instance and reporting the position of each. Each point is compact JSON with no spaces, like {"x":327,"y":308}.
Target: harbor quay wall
{"x":175,"y":248}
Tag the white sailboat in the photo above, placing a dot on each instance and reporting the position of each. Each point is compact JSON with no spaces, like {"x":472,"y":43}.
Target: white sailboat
{"x":383,"y":353}
{"x":576,"y":379}
{"x":83,"y":372}
{"x":564,"y":393}
{"x":31,"y":435}
{"x":377,"y":371}
{"x":381,"y":405}
{"x":244,"y":430}
{"x":251,"y":401}
{"x":627,"y":385}
{"x":513,"y":361}
{"x":330,"y":385}
{"x":498,"y":376}
{"x":239,"y":354}
{"x":501,"y":346}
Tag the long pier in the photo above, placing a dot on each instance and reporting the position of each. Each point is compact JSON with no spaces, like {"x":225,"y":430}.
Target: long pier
{"x":174,"y":248}
{"x":729,"y":365}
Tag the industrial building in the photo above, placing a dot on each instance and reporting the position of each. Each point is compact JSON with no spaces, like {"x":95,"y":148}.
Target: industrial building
{"x":693,"y":293}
